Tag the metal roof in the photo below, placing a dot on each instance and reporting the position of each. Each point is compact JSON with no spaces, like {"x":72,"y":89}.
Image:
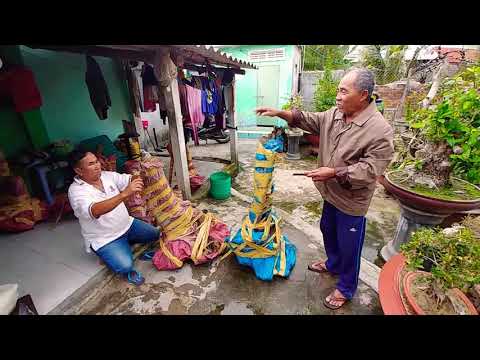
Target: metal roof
{"x":192,"y":54}
{"x":213,"y":55}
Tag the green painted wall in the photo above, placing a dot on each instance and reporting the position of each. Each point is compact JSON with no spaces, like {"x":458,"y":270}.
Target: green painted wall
{"x":11,"y":54}
{"x":67,"y":111}
{"x":246,"y":85}
{"x":13,"y":136}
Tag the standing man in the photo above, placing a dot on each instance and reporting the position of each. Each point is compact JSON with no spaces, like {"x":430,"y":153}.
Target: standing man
{"x":356,"y":146}
{"x":97,"y":198}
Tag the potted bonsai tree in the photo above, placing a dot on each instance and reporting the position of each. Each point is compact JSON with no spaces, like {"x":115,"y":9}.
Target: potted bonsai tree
{"x":443,"y":266}
{"x":436,"y":171}
{"x":441,"y":160}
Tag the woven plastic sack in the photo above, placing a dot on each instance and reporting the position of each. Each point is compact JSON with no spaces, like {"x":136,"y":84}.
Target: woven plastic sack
{"x":260,"y":244}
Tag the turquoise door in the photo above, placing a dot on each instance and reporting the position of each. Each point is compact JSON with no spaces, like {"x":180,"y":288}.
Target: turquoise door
{"x":267,"y":91}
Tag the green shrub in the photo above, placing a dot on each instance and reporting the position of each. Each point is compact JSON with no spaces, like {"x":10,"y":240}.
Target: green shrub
{"x":325,"y":92}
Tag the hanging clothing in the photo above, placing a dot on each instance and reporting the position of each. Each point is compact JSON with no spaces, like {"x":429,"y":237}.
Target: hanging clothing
{"x":183,"y":94}
{"x":165,"y":69}
{"x":137,"y":76}
{"x":97,"y":88}
{"x":229,"y":99}
{"x":228,"y":77}
{"x":161,"y":101}
{"x":150,"y":98}
{"x":163,"y":116}
{"x":209,"y":97}
{"x":18,"y":85}
{"x":150,"y":89}
{"x":148,"y":76}
{"x":220,"y":115}
{"x":194,"y":97}
{"x":134,"y":92}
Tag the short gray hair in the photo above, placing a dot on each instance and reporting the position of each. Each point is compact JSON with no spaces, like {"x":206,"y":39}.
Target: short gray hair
{"x":365,"y":80}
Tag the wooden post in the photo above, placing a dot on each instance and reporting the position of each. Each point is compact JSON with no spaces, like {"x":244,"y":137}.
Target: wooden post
{"x":175,"y":126}
{"x":232,"y":121}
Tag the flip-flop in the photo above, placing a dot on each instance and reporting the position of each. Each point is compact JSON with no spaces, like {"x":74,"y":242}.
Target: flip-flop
{"x":147,"y":255}
{"x":335,"y":299}
{"x":320,"y":270}
{"x":137,"y":279}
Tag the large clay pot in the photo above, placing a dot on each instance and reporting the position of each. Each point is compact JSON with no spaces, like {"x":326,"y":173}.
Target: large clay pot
{"x":388,"y":286}
{"x":427,"y":203}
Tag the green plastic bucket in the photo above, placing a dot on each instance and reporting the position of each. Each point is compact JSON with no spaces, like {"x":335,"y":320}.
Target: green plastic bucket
{"x":220,"y":185}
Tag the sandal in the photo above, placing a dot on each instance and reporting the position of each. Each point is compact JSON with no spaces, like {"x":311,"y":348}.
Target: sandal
{"x":147,"y":255}
{"x":136,"y":278}
{"x":333,"y":298}
{"x":322,"y":268}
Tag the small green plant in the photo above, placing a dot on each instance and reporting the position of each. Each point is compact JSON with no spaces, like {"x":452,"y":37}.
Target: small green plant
{"x":295,"y":102}
{"x":452,"y":258}
{"x":325,"y":92}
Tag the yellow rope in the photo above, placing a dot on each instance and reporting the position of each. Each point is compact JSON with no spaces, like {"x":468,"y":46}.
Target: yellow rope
{"x":164,"y":216}
{"x":183,"y":225}
{"x":154,"y":187}
{"x":151,"y":202}
{"x":11,"y":211}
{"x":13,"y":200}
{"x":262,"y":204}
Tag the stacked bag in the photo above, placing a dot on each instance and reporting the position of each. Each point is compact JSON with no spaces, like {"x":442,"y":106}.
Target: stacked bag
{"x":260,"y":243}
{"x":187,"y":233}
{"x":18,"y":211}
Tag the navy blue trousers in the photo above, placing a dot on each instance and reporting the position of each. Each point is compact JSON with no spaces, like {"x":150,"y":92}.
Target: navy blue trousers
{"x":343,"y":237}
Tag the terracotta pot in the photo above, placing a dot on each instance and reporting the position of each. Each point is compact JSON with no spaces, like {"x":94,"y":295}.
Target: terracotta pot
{"x":388,"y":286}
{"x":427,"y":203}
{"x":471,"y":308}
{"x":407,"y":285}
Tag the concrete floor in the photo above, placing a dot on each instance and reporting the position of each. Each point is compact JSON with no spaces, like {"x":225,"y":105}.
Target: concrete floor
{"x":223,"y":288}
{"x":298,"y":195}
{"x":50,"y":262}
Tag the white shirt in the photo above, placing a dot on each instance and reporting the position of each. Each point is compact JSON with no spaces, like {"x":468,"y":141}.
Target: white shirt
{"x":109,"y":226}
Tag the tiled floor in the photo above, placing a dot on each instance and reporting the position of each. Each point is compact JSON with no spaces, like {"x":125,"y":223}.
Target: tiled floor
{"x":48,"y":262}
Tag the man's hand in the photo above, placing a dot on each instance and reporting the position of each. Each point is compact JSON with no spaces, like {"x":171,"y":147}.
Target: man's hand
{"x":136,"y":185}
{"x":103,"y":207}
{"x":321,"y":174}
{"x":286,"y":115}
{"x":265,"y":111}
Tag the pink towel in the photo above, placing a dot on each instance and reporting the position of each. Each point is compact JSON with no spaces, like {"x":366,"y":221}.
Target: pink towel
{"x":194,"y":101}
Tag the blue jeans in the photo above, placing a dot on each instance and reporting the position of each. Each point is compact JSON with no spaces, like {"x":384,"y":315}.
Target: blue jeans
{"x":118,"y":255}
{"x":343,"y":237}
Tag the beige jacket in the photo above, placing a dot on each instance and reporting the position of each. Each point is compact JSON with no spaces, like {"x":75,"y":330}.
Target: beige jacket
{"x":359,"y":152}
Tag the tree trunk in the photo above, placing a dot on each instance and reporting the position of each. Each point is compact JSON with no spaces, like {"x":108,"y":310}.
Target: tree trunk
{"x":437,"y":80}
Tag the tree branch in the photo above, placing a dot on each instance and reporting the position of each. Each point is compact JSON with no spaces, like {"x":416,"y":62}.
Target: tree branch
{"x":399,"y":108}
{"x":437,"y":80}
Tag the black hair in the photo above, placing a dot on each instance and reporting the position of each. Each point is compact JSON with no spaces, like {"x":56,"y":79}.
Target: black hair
{"x":75,"y":156}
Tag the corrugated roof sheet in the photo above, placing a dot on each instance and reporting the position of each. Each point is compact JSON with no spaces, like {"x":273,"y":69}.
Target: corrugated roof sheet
{"x":213,"y":55}
{"x":192,"y":54}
